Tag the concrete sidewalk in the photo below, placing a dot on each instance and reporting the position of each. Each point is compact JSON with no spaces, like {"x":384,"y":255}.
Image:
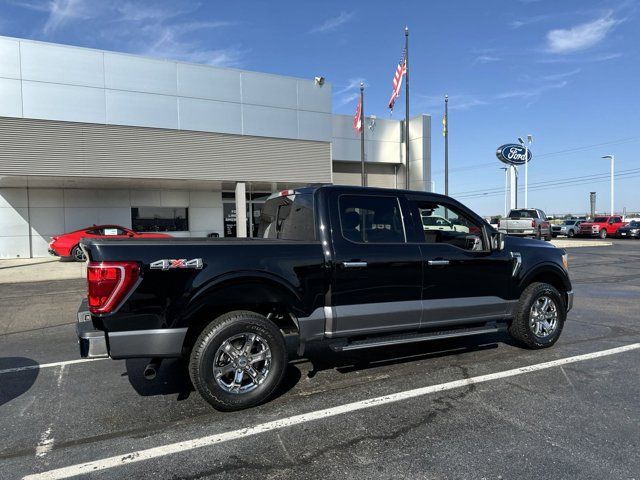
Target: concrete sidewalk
{"x":20,"y":270}
{"x":580,"y":243}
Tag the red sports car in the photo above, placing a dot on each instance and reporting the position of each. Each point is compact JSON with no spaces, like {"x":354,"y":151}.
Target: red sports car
{"x":67,"y":245}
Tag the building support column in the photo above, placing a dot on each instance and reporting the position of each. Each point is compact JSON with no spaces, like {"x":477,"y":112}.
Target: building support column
{"x":241,"y":210}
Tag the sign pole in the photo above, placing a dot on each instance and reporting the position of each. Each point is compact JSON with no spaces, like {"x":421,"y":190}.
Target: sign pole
{"x":446,"y":144}
{"x":362,"y":123}
{"x":526,"y":176}
{"x":406,"y":108}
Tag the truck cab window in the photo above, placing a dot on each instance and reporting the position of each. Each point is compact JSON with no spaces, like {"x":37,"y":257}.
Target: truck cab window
{"x":370,"y":219}
{"x":443,"y":224}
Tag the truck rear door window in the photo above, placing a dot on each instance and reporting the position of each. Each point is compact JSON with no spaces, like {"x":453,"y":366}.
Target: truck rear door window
{"x":288,"y":218}
{"x":371,"y":219}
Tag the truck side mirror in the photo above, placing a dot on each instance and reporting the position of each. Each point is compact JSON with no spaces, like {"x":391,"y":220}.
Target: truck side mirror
{"x":497,"y":241}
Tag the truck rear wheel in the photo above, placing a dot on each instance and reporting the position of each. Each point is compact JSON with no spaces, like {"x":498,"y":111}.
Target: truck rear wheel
{"x":238,"y":361}
{"x":539,"y":317}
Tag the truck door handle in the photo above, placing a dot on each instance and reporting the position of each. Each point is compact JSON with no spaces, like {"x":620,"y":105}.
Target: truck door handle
{"x":354,"y":264}
{"x":437,"y":263}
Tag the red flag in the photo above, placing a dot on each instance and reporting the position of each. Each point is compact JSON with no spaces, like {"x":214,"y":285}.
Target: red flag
{"x":357,"y":118}
{"x":401,"y":71}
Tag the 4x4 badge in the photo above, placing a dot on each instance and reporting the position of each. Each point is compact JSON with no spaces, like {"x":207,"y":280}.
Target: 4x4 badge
{"x":169,"y":263}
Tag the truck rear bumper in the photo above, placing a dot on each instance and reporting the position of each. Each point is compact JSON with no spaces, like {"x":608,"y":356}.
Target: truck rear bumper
{"x":94,"y":343}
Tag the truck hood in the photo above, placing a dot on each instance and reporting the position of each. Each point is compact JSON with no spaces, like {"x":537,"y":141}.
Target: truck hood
{"x":518,"y":242}
{"x":588,"y":224}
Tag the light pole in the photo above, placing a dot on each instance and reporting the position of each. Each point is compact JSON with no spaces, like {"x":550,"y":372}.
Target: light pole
{"x":506,"y":187}
{"x":527,"y":147}
{"x":612,"y":158}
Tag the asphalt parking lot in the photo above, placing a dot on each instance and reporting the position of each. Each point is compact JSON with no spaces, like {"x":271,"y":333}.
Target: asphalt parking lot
{"x":575,"y":418}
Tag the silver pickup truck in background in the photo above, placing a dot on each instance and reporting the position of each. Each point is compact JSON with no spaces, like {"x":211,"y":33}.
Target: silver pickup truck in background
{"x":526,"y":222}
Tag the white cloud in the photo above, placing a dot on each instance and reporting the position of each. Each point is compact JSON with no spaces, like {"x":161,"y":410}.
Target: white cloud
{"x":580,"y":37}
{"x":64,"y":11}
{"x":482,"y":59}
{"x":349,"y":92}
{"x":171,"y":41}
{"x":330,"y":24}
{"x":530,"y":92}
{"x":457,"y":101}
{"x":141,"y":28}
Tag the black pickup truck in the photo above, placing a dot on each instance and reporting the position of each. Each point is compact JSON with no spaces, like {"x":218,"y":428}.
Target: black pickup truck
{"x":354,"y":267}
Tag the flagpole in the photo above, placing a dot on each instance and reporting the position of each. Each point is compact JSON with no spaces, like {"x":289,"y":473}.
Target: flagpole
{"x":446,"y":144}
{"x":406,"y":108}
{"x":362,"y":124}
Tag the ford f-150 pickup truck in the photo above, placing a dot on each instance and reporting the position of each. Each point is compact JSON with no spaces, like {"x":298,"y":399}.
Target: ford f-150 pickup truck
{"x":526,"y":222}
{"x":354,"y":267}
{"x":601,"y":226}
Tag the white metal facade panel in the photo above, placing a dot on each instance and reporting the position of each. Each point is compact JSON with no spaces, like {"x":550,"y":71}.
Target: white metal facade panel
{"x":314,"y":125}
{"x":139,"y":91}
{"x":314,"y":97}
{"x":52,"y":101}
{"x":10,"y":97}
{"x":267,"y":121}
{"x":62,"y":64}
{"x":269,"y":90}
{"x":141,"y":109}
{"x":139,"y":74}
{"x":9,"y":58}
{"x":200,"y":81}
{"x":210,"y":115}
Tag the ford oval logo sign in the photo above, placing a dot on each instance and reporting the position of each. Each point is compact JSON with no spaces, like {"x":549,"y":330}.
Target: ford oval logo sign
{"x":513,"y":154}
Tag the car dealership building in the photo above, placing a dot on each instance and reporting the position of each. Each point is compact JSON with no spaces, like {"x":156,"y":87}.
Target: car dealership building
{"x":95,"y":137}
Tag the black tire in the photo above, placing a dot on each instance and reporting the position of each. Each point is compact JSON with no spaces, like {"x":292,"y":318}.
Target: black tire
{"x":548,"y":237}
{"x":77,"y":254}
{"x":206,"y":348}
{"x":539,"y":234}
{"x":603,"y":234}
{"x":571,"y":234}
{"x":520,"y":327}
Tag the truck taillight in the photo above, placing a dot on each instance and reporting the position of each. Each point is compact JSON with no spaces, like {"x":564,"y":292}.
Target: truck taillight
{"x":533,"y":223}
{"x":108,"y":284}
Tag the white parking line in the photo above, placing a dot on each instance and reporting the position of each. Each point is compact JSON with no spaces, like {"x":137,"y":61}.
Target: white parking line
{"x":161,"y":451}
{"x":49,"y":365}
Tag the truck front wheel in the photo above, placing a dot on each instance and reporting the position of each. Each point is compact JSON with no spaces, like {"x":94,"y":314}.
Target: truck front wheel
{"x":603,"y":233}
{"x":540,"y":316}
{"x":238,"y":361}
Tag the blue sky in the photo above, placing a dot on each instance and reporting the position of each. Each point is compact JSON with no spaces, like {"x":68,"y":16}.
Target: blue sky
{"x":567,"y":72}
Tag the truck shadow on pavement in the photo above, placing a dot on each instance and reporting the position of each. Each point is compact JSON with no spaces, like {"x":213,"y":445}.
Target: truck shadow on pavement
{"x":173,"y":376}
{"x":14,"y":384}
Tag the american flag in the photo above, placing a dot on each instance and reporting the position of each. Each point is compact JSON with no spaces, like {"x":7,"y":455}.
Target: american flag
{"x":357,"y":118}
{"x":401,"y":71}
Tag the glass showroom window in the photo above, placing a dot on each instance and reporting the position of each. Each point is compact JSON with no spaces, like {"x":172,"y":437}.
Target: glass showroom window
{"x":160,"y":219}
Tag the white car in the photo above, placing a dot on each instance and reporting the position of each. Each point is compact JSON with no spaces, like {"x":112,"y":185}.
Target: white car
{"x":434,"y":222}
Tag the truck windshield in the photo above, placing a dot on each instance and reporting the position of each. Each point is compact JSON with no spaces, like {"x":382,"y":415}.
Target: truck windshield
{"x":523,"y":214}
{"x":600,"y":220}
{"x":288,"y":218}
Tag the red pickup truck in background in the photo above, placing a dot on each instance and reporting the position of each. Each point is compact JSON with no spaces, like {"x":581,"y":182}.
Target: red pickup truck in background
{"x":601,"y":226}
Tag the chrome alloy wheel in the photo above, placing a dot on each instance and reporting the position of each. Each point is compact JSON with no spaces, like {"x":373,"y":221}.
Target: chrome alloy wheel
{"x":543,"y":316}
{"x":242,"y":363}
